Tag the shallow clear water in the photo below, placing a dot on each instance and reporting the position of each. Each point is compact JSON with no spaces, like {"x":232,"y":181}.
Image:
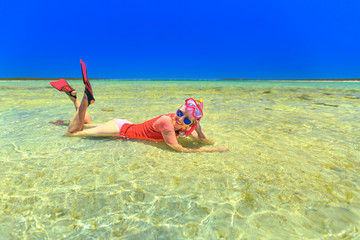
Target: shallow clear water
{"x":291,"y":172}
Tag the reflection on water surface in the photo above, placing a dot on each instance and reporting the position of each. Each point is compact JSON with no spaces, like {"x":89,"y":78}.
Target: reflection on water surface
{"x":292,"y":169}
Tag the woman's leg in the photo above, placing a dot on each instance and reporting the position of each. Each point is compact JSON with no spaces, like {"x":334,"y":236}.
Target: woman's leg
{"x":63,"y":86}
{"x":90,"y":125}
{"x":78,"y":120}
{"x":107,"y":129}
{"x":87,"y":119}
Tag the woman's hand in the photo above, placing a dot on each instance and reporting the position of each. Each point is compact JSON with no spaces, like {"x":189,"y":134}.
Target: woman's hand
{"x":205,"y":141}
{"x":180,"y":148}
{"x":200,"y":136}
{"x":222,"y":149}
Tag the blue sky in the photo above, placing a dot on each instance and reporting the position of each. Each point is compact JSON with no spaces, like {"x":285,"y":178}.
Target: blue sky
{"x":252,"y":39}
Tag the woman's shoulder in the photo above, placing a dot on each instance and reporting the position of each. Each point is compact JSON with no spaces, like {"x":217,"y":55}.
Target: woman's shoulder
{"x":166,"y":117}
{"x":163,"y":123}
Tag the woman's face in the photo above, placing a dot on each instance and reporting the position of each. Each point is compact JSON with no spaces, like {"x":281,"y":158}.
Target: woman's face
{"x":180,"y":120}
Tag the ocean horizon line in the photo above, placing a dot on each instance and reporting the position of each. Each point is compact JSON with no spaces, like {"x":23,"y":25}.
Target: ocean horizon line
{"x":189,"y":79}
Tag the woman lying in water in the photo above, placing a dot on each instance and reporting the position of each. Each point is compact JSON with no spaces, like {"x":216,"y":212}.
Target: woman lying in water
{"x":185,"y":122}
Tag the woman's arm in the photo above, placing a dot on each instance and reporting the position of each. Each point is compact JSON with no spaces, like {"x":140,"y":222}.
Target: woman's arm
{"x":200,"y":136}
{"x":171,"y":140}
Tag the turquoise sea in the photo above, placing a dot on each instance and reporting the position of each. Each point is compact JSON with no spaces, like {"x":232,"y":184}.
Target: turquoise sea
{"x":292,"y":171}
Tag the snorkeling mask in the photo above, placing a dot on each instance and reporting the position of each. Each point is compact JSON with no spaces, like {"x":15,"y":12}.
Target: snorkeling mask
{"x":195,"y":110}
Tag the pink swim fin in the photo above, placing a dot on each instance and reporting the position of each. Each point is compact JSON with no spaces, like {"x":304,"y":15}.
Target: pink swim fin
{"x":88,"y":89}
{"x":63,"y":86}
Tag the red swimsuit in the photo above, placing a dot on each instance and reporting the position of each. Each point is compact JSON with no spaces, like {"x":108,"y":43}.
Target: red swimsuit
{"x":150,"y":129}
